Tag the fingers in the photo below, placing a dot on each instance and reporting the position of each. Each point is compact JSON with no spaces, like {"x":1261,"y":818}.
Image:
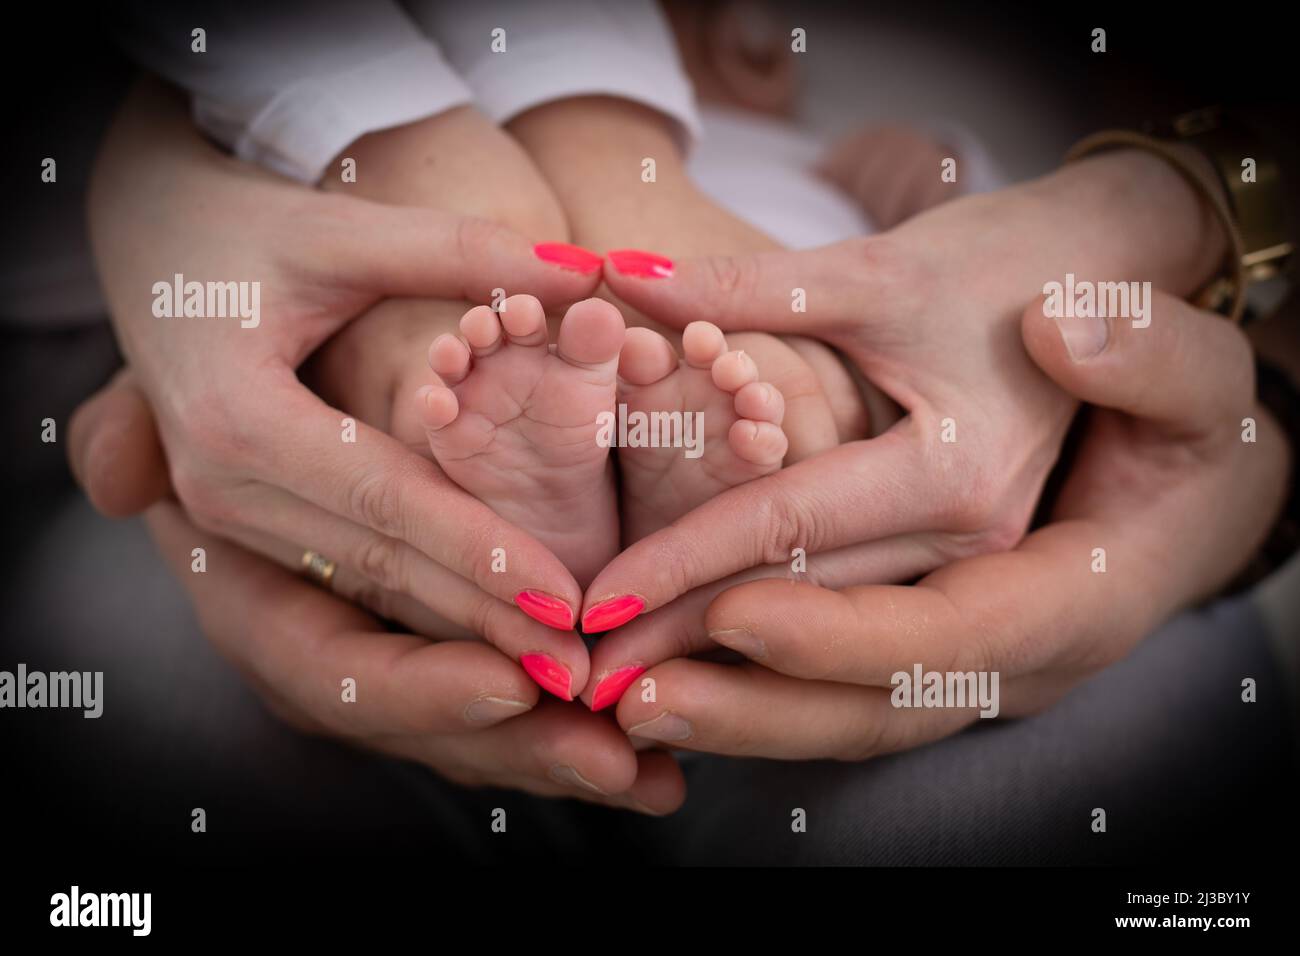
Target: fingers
{"x":1188,"y":369}
{"x":562,"y":752}
{"x":748,"y":711}
{"x":680,"y":629}
{"x":857,"y":492}
{"x":558,"y":745}
{"x":379,"y":484}
{"x":281,"y":526}
{"x":759,"y":292}
{"x":421,"y":252}
{"x":326,"y":657}
{"x":1009,"y":613}
{"x":114,"y":450}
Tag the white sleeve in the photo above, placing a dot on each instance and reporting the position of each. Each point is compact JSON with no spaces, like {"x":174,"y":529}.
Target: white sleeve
{"x":288,"y":83}
{"x":561,"y":49}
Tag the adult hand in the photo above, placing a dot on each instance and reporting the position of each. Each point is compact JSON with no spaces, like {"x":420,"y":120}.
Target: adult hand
{"x":253,"y":454}
{"x":1163,"y":484}
{"x":295,"y":644}
{"x":462,"y":708}
{"x":928,"y":314}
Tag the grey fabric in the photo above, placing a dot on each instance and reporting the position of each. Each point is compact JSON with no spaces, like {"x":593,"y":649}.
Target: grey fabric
{"x":1162,"y":742}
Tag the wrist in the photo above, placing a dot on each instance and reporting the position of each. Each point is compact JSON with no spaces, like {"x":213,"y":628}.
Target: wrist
{"x":1127,"y":215}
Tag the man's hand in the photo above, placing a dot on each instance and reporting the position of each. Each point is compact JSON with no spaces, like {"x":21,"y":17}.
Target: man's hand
{"x":1164,"y":503}
{"x":928,"y":313}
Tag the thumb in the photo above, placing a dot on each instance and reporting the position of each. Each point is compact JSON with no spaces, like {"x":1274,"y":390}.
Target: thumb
{"x":114,"y":450}
{"x":394,"y":250}
{"x":1179,"y":366}
{"x":806,"y":291}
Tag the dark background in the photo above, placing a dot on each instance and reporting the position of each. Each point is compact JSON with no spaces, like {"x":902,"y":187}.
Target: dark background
{"x":92,"y":790}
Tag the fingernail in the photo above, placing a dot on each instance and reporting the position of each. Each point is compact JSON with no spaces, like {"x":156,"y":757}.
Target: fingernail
{"x":563,"y":773}
{"x":608,"y":615}
{"x":549,"y":674}
{"x":568,"y":256}
{"x":493,"y":710}
{"x":611,"y":688}
{"x":742,"y":641}
{"x":640,"y":265}
{"x":1083,"y":337}
{"x":666,"y":727}
{"x":549,"y":610}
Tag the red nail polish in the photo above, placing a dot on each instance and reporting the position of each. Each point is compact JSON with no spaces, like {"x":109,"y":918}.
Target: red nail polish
{"x":542,"y":607}
{"x":611,"y":688}
{"x":549,"y":674}
{"x":568,"y":256}
{"x":640,"y":265}
{"x":608,"y":615}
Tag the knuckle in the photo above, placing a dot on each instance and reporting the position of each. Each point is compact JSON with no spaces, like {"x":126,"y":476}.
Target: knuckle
{"x":380,"y":559}
{"x":375,"y":498}
{"x":732,"y":279}
{"x":898,"y":278}
{"x":786,"y":524}
{"x":489,"y":618}
{"x":211,"y":506}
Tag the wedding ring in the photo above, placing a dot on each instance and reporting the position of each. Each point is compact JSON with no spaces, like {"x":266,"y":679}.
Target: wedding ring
{"x":318,"y":569}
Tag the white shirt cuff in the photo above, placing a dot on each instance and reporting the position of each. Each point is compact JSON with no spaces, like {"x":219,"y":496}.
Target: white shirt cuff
{"x":307,"y":124}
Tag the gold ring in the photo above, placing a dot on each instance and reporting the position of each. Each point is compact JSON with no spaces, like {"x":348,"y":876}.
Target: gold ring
{"x":318,"y":569}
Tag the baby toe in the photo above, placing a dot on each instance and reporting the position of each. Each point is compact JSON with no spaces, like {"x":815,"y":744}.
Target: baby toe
{"x":646,"y":357}
{"x":482,"y":330}
{"x":438,"y":406}
{"x":524,"y":320}
{"x":592,"y":333}
{"x":449,"y":358}
{"x":760,"y":401}
{"x":732,"y":370}
{"x":759,"y":443}
{"x":702,"y":344}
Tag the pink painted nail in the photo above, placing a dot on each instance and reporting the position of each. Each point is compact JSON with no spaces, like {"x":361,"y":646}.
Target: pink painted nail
{"x":568,"y":256}
{"x":608,"y":615}
{"x":609,"y":690}
{"x":542,"y":607}
{"x":549,"y":674}
{"x":640,"y":265}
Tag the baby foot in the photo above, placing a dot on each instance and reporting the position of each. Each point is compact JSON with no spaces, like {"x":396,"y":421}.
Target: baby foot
{"x":740,"y":437}
{"x":513,"y":421}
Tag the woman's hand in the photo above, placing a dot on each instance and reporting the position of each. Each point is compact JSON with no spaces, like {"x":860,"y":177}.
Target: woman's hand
{"x":461,"y":707}
{"x":928,"y":313}
{"x":1165,"y":496}
{"x":253,"y":454}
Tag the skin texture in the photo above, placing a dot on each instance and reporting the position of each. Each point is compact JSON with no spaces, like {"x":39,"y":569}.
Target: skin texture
{"x":292,"y":640}
{"x":163,"y":201}
{"x":930,"y":313}
{"x":1164,"y":444}
{"x":745,"y":709}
